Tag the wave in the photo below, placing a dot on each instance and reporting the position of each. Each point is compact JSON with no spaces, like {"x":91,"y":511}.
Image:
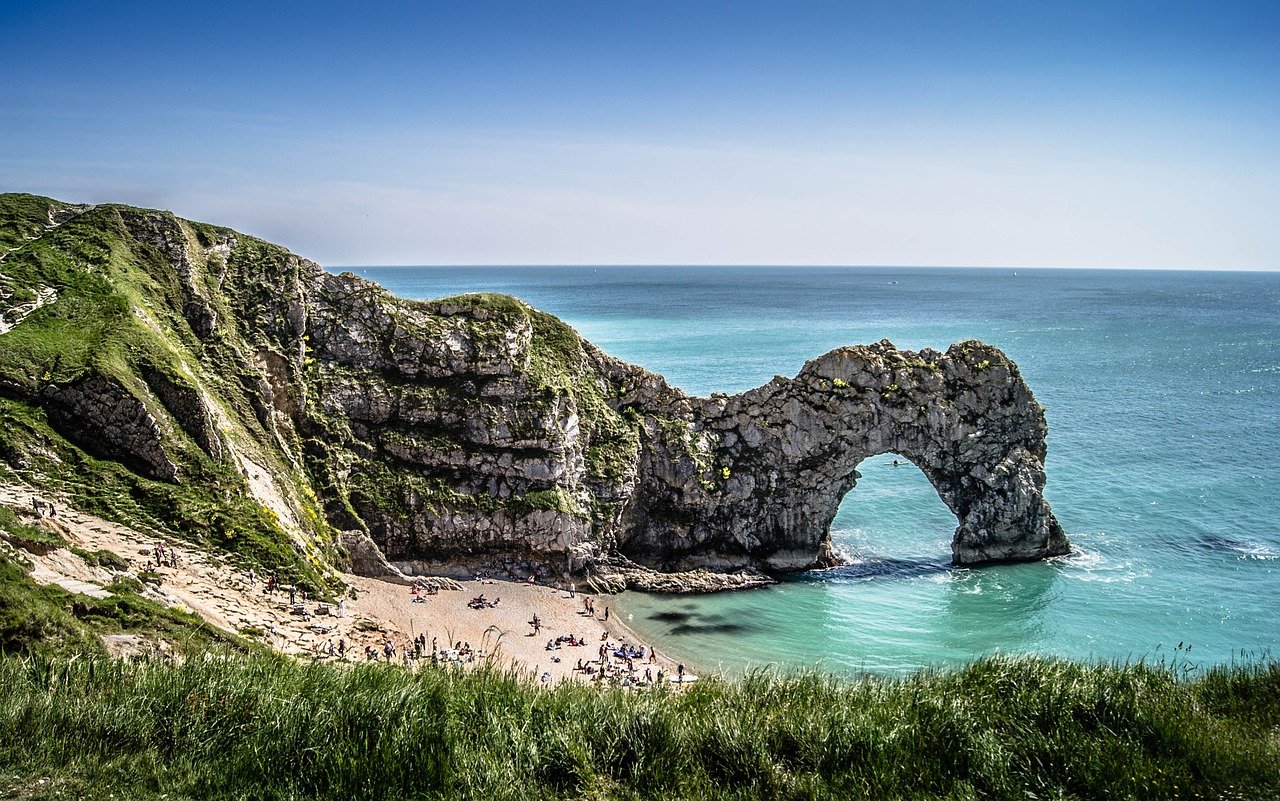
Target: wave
{"x":1094,"y":566}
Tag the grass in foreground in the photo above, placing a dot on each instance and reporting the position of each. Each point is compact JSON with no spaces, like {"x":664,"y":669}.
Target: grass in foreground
{"x":266,"y":727}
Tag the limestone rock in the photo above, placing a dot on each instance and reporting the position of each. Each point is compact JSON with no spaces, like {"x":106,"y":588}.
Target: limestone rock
{"x":787,"y":453}
{"x":366,"y":560}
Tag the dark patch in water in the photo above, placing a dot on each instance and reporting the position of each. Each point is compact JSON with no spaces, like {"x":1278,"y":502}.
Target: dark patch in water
{"x":1217,"y":542}
{"x":671,"y":617}
{"x":1240,"y":549}
{"x":712,"y":628}
{"x":884,"y":567}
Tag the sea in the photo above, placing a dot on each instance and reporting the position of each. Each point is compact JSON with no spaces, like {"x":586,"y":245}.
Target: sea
{"x":1162,"y":391}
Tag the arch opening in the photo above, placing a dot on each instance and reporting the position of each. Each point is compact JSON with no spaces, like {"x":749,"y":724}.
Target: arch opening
{"x":892,"y":522}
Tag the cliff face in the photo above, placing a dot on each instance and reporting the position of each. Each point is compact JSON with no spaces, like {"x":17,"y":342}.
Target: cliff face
{"x":465,"y":433}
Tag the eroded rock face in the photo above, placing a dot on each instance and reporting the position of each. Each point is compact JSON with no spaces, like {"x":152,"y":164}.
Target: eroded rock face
{"x":783,"y":456}
{"x":106,"y":419}
{"x":744,"y":483}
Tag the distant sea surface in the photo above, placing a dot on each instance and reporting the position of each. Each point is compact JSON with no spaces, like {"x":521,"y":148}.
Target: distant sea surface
{"x":1162,"y":391}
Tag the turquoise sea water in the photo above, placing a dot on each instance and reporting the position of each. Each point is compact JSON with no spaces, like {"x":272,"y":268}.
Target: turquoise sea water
{"x":1162,"y":392}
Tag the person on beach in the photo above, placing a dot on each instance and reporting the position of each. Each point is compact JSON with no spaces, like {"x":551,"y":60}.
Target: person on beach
{"x":536,"y":623}
{"x":342,"y":607}
{"x":573,"y":590}
{"x":606,"y":614}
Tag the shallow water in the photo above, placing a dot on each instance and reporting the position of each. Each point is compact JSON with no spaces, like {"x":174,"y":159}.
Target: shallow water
{"x":1162,"y":392}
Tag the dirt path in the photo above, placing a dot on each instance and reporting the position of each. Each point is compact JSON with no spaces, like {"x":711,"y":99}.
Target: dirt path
{"x":379,"y":612}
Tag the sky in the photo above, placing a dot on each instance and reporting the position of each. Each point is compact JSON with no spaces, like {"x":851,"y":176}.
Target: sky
{"x":1021,"y":134}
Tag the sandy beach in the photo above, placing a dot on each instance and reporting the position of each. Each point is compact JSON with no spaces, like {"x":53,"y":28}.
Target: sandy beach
{"x":374,"y":614}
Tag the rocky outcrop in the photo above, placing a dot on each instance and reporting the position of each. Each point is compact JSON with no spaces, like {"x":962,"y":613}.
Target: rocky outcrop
{"x":475,"y":434}
{"x":365,"y":559}
{"x":184,"y":403}
{"x":781,"y":458}
{"x":106,"y":419}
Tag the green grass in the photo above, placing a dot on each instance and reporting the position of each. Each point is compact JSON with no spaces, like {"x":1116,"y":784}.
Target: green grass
{"x":25,"y":535}
{"x":204,"y":510}
{"x":22,"y":217}
{"x":119,"y":315}
{"x":267,"y":727}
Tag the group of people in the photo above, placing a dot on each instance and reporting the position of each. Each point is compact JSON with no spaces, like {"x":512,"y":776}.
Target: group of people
{"x":480,"y":602}
{"x":589,"y":607}
{"x":565,"y":639}
{"x":409,"y":652}
{"x":329,"y":648}
{"x":43,"y":508}
{"x":164,"y":557}
{"x":273,"y":584}
{"x":617,"y":664}
{"x":420,"y":590}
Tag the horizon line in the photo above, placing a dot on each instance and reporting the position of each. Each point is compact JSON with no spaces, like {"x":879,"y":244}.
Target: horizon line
{"x":726,"y":265}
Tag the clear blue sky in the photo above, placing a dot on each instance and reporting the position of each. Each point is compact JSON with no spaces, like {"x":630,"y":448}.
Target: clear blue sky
{"x":1093,"y":134}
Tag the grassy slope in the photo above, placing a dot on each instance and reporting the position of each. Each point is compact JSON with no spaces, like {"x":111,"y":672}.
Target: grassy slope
{"x":264,"y":727}
{"x":45,"y":621}
{"x":119,"y":314}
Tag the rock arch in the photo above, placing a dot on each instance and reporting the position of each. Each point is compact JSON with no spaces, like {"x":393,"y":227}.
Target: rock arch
{"x":776,"y":461}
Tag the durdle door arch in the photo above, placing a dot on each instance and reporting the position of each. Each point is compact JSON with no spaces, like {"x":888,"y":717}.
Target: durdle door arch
{"x":786,"y":454}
